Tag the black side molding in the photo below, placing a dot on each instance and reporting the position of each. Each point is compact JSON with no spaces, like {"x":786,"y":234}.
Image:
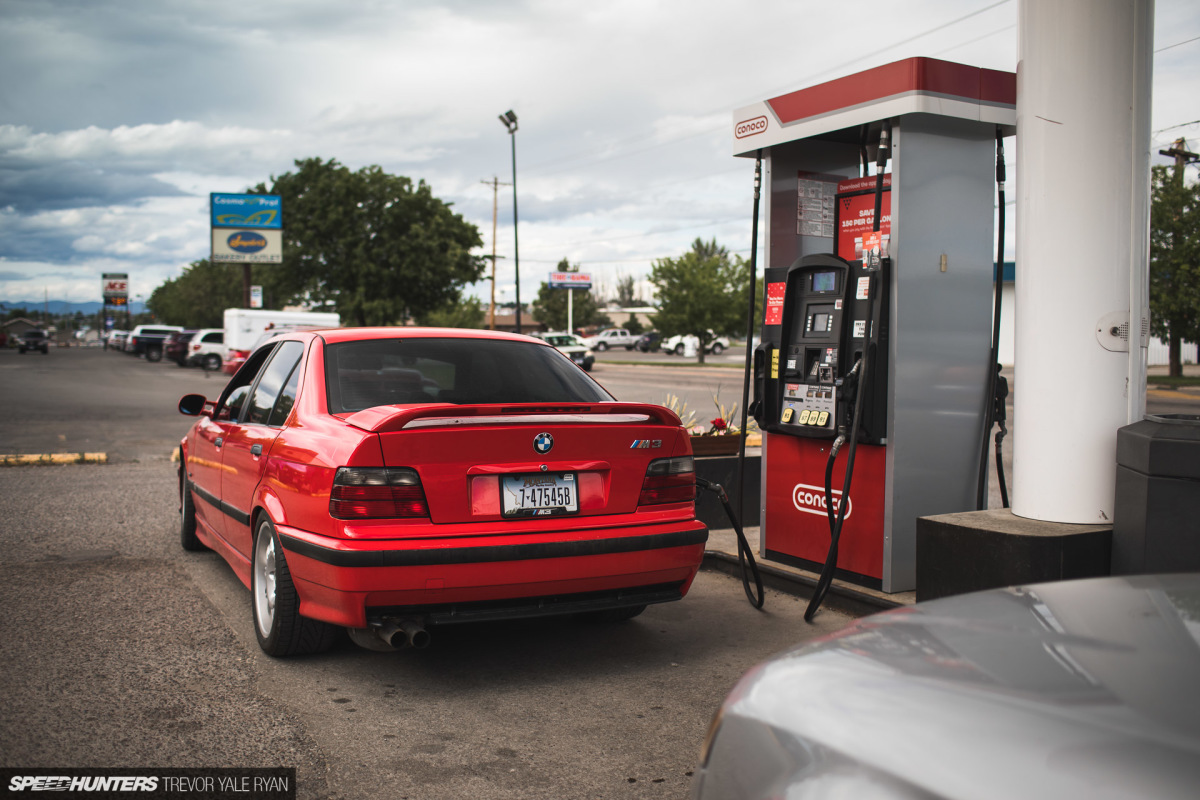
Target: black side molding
{"x":224,"y":508}
{"x":489,"y":554}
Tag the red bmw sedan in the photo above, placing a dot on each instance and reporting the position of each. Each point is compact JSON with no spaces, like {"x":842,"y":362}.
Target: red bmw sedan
{"x":390,"y":480}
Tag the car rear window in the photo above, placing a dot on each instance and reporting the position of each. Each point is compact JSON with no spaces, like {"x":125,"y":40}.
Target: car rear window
{"x":377,"y":372}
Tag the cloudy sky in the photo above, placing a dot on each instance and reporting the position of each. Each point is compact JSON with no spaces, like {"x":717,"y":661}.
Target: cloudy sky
{"x":118,"y":118}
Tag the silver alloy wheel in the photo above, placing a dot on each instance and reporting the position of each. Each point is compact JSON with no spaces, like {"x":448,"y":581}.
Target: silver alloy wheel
{"x":264,"y":583}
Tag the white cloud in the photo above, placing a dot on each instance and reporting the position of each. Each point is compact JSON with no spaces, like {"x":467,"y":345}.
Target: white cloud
{"x":119,"y":119}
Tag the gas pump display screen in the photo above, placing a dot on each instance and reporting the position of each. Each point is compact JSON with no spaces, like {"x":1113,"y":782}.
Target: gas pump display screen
{"x":820,"y":320}
{"x":824,"y":281}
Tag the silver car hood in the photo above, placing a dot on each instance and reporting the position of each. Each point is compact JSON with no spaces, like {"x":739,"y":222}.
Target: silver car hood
{"x":1085,"y":688}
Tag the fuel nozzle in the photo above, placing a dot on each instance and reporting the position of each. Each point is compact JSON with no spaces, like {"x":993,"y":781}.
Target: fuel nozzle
{"x":1000,"y":169}
{"x":881,"y":158}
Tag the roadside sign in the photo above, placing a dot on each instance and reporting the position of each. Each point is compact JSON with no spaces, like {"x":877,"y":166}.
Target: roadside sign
{"x":246,"y":210}
{"x":256,"y":297}
{"x":114,"y":284}
{"x":239,"y":245}
{"x":570,"y":280}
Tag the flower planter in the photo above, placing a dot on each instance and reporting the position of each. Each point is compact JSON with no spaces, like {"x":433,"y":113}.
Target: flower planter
{"x":716,"y":445}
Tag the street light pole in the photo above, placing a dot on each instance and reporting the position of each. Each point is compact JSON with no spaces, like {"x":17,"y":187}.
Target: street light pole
{"x":509,"y":120}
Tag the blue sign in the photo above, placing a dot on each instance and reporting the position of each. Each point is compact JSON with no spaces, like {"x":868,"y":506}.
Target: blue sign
{"x":246,"y":242}
{"x":246,"y":210}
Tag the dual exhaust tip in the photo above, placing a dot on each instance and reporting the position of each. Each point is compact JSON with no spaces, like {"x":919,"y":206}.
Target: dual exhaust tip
{"x":391,"y":635}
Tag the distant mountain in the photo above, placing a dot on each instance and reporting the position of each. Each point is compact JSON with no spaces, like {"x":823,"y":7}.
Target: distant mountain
{"x":61,"y":307}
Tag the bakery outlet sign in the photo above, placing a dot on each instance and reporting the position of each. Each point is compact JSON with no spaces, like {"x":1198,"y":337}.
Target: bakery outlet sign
{"x":256,"y":245}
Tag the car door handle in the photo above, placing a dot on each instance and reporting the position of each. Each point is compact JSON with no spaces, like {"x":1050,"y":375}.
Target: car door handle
{"x":256,"y":450}
{"x":218,"y":442}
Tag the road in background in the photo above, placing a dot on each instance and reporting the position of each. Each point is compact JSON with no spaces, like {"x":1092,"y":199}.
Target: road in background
{"x":123,"y":650}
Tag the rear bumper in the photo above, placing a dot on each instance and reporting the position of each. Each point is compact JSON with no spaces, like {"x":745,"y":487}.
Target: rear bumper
{"x":339,"y":580}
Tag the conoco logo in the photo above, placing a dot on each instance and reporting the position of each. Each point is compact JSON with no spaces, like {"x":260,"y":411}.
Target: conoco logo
{"x":750,"y":127}
{"x":811,"y":500}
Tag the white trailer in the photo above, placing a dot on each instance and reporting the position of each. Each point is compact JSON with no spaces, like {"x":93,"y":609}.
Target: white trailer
{"x":245,"y":326}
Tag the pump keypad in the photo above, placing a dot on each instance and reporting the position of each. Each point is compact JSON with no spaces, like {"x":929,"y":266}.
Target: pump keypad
{"x":809,"y":405}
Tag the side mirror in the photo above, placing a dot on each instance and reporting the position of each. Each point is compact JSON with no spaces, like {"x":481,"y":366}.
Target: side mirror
{"x":192,"y":404}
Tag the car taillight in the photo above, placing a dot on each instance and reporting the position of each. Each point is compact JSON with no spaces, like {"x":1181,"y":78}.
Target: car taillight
{"x":669,"y":480}
{"x":195,"y":347}
{"x":377,"y":493}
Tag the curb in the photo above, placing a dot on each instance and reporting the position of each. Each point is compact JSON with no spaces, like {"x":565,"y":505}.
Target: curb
{"x":840,"y":596}
{"x":53,"y":458}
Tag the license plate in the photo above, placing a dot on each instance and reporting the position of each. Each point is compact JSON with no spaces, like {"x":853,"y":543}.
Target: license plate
{"x":539,"y":494}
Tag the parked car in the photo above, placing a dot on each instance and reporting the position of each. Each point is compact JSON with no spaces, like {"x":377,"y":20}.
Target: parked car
{"x":234,"y":358}
{"x":1083,"y":688}
{"x":392,"y":480}
{"x":34,"y":339}
{"x":149,"y":340}
{"x":176,"y":348}
{"x":676,"y":345}
{"x":572,"y":346}
{"x":115,"y":339}
{"x":207,"y":349}
{"x":649,"y":342}
{"x":611,"y":337}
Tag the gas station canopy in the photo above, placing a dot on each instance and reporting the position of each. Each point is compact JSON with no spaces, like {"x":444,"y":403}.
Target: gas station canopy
{"x":911,"y":86}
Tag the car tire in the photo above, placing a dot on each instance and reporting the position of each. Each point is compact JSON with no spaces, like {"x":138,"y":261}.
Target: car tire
{"x":601,"y":346}
{"x":212,"y":362}
{"x":275,"y":605}
{"x":717,"y":349}
{"x":615,"y":614}
{"x":154,"y":354}
{"x":188,"y":539}
{"x":679,"y":349}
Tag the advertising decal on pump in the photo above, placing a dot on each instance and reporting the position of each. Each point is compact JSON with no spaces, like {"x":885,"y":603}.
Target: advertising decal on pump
{"x":811,"y":500}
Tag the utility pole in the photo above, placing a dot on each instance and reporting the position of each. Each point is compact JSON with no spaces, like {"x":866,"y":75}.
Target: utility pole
{"x":495,"y":183}
{"x":1182,"y":157}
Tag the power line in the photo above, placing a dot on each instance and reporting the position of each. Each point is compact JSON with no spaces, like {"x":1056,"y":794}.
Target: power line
{"x":588,"y":158}
{"x":1177,"y":44}
{"x":651,"y":233}
{"x":1173,"y":127}
{"x":976,"y":39}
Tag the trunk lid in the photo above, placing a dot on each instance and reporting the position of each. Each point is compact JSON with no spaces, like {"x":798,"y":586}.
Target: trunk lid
{"x":474,"y":461}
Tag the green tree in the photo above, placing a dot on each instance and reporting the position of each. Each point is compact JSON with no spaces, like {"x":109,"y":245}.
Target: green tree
{"x":627,"y":294}
{"x":550,"y":307}
{"x":1174,"y":261}
{"x":703,"y":290}
{"x":467,"y":313}
{"x":198,"y":297}
{"x":376,"y":247}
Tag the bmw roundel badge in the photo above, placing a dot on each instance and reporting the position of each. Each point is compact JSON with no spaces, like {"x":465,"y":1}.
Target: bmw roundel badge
{"x":542,"y":443}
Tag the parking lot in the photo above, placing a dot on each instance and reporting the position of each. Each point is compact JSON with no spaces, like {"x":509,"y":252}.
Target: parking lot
{"x":123,"y":650}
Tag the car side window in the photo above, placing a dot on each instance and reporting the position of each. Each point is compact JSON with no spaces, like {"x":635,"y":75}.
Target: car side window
{"x":271,"y":382}
{"x":232,"y":409}
{"x":214,"y":337}
{"x":287,"y":398}
{"x":234,"y":396}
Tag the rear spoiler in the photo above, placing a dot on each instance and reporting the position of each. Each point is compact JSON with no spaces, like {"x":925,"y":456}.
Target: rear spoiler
{"x":382,"y":419}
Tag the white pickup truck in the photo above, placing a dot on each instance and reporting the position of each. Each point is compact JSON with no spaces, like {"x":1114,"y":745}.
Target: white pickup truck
{"x":611,"y":337}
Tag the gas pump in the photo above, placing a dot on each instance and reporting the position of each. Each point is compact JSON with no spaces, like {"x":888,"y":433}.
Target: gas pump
{"x":877,"y":326}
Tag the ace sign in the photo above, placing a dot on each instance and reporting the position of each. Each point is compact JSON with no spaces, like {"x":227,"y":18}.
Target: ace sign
{"x":114,"y":285}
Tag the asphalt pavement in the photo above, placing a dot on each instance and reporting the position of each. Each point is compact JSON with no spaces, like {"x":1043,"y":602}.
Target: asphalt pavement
{"x":121,"y":649}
